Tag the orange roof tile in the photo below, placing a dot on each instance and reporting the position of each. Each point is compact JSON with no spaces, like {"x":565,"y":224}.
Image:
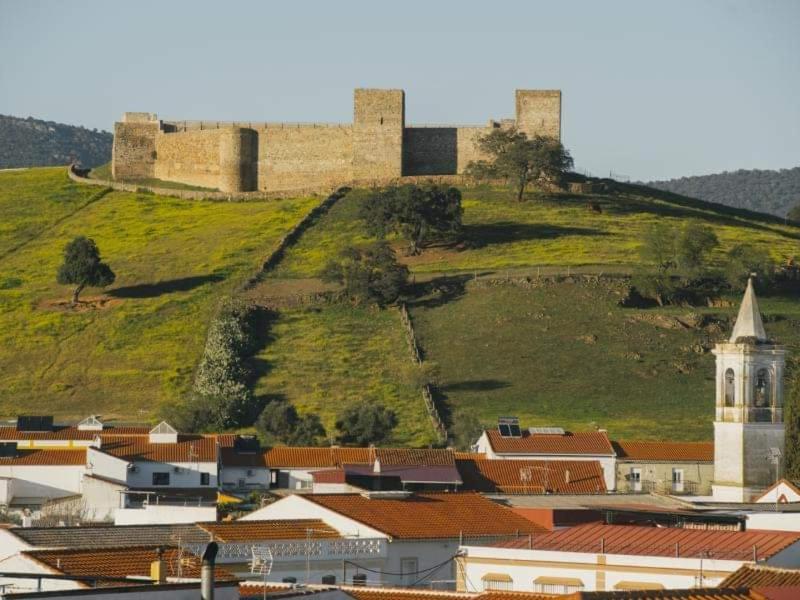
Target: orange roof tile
{"x":366,"y":593}
{"x":762,"y":576}
{"x":46,"y":458}
{"x":430,"y":457}
{"x":660,"y":541}
{"x":121,"y":562}
{"x":555,"y":476}
{"x":230,"y":458}
{"x":583,"y":442}
{"x":71,"y":432}
{"x":429,"y":515}
{"x":189,"y":448}
{"x":303,"y":457}
{"x":247,"y":531}
{"x":664,"y":451}
{"x":682,"y":594}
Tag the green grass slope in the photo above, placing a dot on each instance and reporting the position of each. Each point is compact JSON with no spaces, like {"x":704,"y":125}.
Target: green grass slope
{"x":174,"y":261}
{"x":324,"y":359}
{"x":556,"y":354}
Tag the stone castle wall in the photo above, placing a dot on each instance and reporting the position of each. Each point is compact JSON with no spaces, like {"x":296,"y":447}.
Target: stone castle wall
{"x":377,"y":147}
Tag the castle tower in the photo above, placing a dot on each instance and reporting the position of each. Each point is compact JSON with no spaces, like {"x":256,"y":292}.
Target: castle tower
{"x":378,"y":123}
{"x":539,"y":112}
{"x":748,"y":427}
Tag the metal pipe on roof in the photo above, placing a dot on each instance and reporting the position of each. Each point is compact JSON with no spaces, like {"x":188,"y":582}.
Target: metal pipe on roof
{"x":207,"y":572}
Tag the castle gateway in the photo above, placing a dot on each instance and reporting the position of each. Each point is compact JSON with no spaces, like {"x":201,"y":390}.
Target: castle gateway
{"x":377,"y":147}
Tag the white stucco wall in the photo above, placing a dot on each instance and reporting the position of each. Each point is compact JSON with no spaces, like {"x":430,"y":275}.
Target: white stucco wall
{"x":525,"y":566}
{"x":160,"y":513}
{"x":43,"y":481}
{"x":254,"y":477}
{"x":20,"y":564}
{"x":10,"y":544}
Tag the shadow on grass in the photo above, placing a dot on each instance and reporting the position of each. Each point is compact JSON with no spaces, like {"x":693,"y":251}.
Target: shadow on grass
{"x":438,"y":291}
{"x":153,"y":290}
{"x":506,"y":232}
{"x":475,"y":385}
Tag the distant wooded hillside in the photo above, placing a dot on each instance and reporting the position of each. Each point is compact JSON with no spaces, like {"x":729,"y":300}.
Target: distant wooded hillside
{"x":34,"y":143}
{"x":774,"y":192}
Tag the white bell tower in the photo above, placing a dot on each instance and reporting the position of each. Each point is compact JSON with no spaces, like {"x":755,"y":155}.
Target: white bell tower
{"x":748,"y":428}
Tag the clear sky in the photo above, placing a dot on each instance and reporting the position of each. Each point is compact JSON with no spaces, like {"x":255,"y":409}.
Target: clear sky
{"x":651,"y":89}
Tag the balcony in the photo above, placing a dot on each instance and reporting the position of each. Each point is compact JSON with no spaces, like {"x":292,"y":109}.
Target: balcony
{"x":296,"y":550}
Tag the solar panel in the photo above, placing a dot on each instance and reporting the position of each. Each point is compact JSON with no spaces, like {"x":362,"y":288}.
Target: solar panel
{"x":34,"y":423}
{"x":246,"y":444}
{"x":8,"y":449}
{"x":509,"y":427}
{"x":547,"y":430}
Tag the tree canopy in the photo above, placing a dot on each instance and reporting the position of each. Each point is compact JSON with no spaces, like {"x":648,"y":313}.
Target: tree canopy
{"x":279,"y":421}
{"x":369,"y":275}
{"x":521,"y":161}
{"x":83,"y":267}
{"x":419,"y":214}
{"x":365,"y":423}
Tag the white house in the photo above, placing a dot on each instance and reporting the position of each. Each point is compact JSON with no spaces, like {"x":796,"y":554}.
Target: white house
{"x":510,"y":442}
{"x":29,"y":478}
{"x":598,"y":557}
{"x":412,"y":533}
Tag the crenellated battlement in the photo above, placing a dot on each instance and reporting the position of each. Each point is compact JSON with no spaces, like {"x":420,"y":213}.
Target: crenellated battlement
{"x":243,"y":156}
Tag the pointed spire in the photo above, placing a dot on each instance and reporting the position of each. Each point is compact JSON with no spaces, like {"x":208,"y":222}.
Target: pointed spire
{"x":748,"y":323}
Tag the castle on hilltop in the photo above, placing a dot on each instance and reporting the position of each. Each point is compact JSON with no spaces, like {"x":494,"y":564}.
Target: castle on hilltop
{"x":378,"y":147}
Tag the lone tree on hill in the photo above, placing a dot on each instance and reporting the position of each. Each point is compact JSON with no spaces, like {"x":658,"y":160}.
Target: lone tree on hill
{"x":82,"y":267}
{"x":418,"y":214}
{"x":370,"y":274}
{"x":365,"y":423}
{"x":521,"y":161}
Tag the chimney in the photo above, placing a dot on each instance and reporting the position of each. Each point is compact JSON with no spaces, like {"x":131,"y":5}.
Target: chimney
{"x":207,"y":572}
{"x":158,"y":571}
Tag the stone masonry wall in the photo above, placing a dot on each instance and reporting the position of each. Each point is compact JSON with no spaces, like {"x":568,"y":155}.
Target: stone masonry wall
{"x":539,"y":112}
{"x":267,"y":157}
{"x":301,"y":156}
{"x":190,"y":157}
{"x":134,"y":151}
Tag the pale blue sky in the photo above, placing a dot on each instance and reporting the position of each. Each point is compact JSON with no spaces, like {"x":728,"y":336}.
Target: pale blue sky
{"x":651,"y":89}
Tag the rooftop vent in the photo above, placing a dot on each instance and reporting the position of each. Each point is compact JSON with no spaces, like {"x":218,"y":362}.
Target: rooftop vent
{"x":34,"y":423}
{"x":546,"y":430}
{"x":246,"y":444}
{"x":163,"y":433}
{"x":8,"y":450}
{"x":387,"y":495}
{"x":509,"y":427}
{"x":91,"y":423}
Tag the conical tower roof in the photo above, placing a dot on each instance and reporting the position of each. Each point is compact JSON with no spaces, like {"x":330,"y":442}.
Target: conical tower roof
{"x":748,"y":323}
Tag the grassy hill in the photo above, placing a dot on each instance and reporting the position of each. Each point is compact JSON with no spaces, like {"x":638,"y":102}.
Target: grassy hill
{"x":35,"y":143}
{"x":522,"y":317}
{"x":559,"y":351}
{"x":136,"y":345}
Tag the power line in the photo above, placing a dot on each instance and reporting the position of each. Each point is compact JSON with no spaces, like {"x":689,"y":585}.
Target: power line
{"x":417,"y":572}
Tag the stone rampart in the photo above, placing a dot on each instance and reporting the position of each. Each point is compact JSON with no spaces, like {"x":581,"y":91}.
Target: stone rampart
{"x":378,"y":148}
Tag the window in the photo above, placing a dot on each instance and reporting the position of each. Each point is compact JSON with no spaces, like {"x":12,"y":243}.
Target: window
{"x":557,"y":585}
{"x":241,"y":483}
{"x":762,"y":396}
{"x":160,"y":478}
{"x":635,"y":479}
{"x":677,"y":480}
{"x":730,"y":391}
{"x":205,"y":479}
{"x":497,"y":581}
{"x":409,"y":568}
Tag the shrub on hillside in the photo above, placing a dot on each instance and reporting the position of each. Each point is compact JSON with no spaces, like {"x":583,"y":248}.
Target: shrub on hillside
{"x":465,"y":429}
{"x":365,"y":423}
{"x":419,"y":214}
{"x":279,"y":422}
{"x":369,"y":275}
{"x":743,"y":261}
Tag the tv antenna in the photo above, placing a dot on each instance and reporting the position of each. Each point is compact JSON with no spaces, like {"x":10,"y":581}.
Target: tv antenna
{"x":261,"y":564}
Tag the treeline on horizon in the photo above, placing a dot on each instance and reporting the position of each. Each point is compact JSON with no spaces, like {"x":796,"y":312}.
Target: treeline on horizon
{"x":770,"y":191}
{"x":35,"y":143}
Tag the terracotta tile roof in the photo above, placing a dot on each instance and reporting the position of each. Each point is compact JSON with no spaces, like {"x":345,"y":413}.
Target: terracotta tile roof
{"x":665,"y":451}
{"x":506,"y":476}
{"x":337,"y":475}
{"x":762,"y":576}
{"x":189,"y":448}
{"x":583,"y":442}
{"x":255,"y":531}
{"x":46,"y":458}
{"x":429,"y":515}
{"x":410,"y":456}
{"x":230,"y":458}
{"x":302,"y":457}
{"x":683,"y":594}
{"x":121,"y":562}
{"x":101,"y":536}
{"x":367,"y":593}
{"x":468,"y":455}
{"x":71,"y":432}
{"x":660,"y":541}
